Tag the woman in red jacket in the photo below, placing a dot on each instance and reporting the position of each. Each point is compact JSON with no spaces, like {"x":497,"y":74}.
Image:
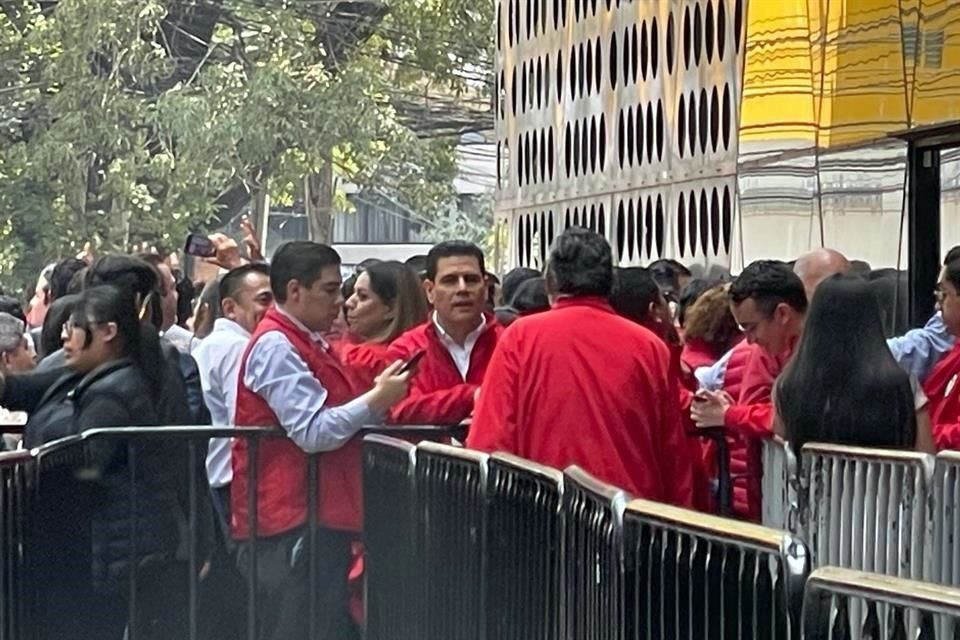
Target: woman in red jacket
{"x":709,"y":329}
{"x":941,"y":385}
{"x":387,"y":300}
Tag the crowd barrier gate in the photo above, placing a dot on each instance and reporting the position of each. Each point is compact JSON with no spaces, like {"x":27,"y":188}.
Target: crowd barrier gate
{"x":867,"y":508}
{"x":842,"y":604}
{"x":942,"y":562}
{"x":691,"y":575}
{"x":525,"y":543}
{"x":594,"y":558}
{"x":781,"y":491}
{"x":392,"y":542}
{"x":451,"y":488}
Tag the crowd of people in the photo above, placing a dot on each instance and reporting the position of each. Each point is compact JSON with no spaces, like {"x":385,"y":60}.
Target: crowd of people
{"x":617,"y":370}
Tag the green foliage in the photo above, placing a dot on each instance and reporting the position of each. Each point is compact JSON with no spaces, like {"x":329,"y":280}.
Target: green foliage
{"x":124,"y":121}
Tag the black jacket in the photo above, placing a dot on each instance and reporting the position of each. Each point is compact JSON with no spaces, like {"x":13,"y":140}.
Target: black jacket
{"x":86,"y":486}
{"x":180,"y":398}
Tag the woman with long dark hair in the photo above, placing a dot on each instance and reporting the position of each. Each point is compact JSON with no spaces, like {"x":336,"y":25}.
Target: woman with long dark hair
{"x":843,"y":385}
{"x":112,"y":373}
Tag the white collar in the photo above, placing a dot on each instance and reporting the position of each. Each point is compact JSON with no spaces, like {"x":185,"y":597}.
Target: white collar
{"x":446,"y":337}
{"x":314,"y":335}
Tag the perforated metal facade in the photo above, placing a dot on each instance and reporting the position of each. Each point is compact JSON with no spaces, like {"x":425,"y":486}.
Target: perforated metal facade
{"x":620,"y":116}
{"x":721,"y":131}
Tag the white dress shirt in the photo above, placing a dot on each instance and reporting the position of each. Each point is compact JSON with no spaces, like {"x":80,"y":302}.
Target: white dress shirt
{"x":460,"y":354}
{"x":180,"y":338}
{"x":219,"y":357}
{"x":277,"y":373}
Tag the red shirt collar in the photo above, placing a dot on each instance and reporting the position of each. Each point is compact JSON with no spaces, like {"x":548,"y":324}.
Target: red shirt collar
{"x":595,"y":302}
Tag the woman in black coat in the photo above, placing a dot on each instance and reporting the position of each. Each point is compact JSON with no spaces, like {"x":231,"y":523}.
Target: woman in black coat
{"x":83,"y":512}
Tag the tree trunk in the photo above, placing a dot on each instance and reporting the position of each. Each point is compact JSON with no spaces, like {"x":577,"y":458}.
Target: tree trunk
{"x":318,"y":197}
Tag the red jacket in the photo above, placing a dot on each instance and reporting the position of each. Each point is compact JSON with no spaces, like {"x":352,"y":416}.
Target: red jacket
{"x":438,"y":393}
{"x":749,"y":379}
{"x":363,"y":360}
{"x":581,"y":385}
{"x":282,"y":468}
{"x":697,"y":353}
{"x":941,"y":387}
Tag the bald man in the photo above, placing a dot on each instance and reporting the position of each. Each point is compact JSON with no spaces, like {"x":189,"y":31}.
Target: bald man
{"x":816,"y":266}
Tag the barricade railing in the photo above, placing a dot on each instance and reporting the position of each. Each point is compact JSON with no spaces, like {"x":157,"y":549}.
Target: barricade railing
{"x":525,"y":538}
{"x":140,"y":497}
{"x":394,"y":560}
{"x":852,"y":605}
{"x":781,"y":487}
{"x":691,"y":575}
{"x":594,"y":565}
{"x":942,"y":562}
{"x":451,"y":490}
{"x":867,"y":508}
{"x":14,"y":502}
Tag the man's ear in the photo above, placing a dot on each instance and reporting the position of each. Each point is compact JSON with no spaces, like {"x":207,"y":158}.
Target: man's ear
{"x":428,"y":288}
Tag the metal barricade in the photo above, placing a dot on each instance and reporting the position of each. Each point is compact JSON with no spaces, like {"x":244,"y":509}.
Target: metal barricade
{"x":451,"y":493}
{"x":691,"y":575}
{"x":781,"y":490}
{"x":525,"y":530}
{"x":942,"y":564}
{"x":867,"y":508}
{"x":594,"y":566}
{"x":14,"y":504}
{"x":394,"y":562}
{"x":851,"y":605}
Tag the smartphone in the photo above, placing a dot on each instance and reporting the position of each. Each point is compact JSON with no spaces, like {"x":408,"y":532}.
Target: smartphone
{"x":200,"y":246}
{"x":412,"y":362}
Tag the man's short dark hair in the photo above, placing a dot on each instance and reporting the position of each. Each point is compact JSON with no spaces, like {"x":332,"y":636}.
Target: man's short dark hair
{"x":452,"y":249}
{"x":302,"y":261}
{"x":63,"y":274}
{"x":952,"y":255}
{"x":12,"y":306}
{"x":634,"y":290}
{"x":513,"y":279}
{"x":581,"y":263}
{"x":769,"y":283}
{"x":232,"y":281}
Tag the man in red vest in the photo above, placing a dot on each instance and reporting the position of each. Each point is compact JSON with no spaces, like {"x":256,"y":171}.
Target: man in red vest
{"x":457,"y":340}
{"x":581,"y":385}
{"x":290,"y":379}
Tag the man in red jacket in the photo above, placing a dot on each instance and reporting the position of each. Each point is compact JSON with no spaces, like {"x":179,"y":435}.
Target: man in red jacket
{"x":769,"y":303}
{"x":457,"y":340}
{"x":291,"y":379}
{"x":580,"y":385}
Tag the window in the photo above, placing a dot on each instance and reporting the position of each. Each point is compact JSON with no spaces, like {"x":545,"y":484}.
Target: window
{"x":910,"y":43}
{"x":933,"y":50}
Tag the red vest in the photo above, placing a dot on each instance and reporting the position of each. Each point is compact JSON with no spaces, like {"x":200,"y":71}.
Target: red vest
{"x":282,"y":468}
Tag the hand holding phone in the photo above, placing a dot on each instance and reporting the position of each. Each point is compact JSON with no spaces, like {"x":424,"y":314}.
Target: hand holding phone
{"x":411,"y":363}
{"x":200,"y":246}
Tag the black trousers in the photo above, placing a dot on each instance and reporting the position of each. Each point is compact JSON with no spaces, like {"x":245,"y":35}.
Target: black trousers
{"x":283,"y":585}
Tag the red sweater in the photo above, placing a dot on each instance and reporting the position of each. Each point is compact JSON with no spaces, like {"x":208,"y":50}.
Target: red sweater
{"x":438,"y":393}
{"x":363,"y":360}
{"x":581,"y":385}
{"x":942,"y":390}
